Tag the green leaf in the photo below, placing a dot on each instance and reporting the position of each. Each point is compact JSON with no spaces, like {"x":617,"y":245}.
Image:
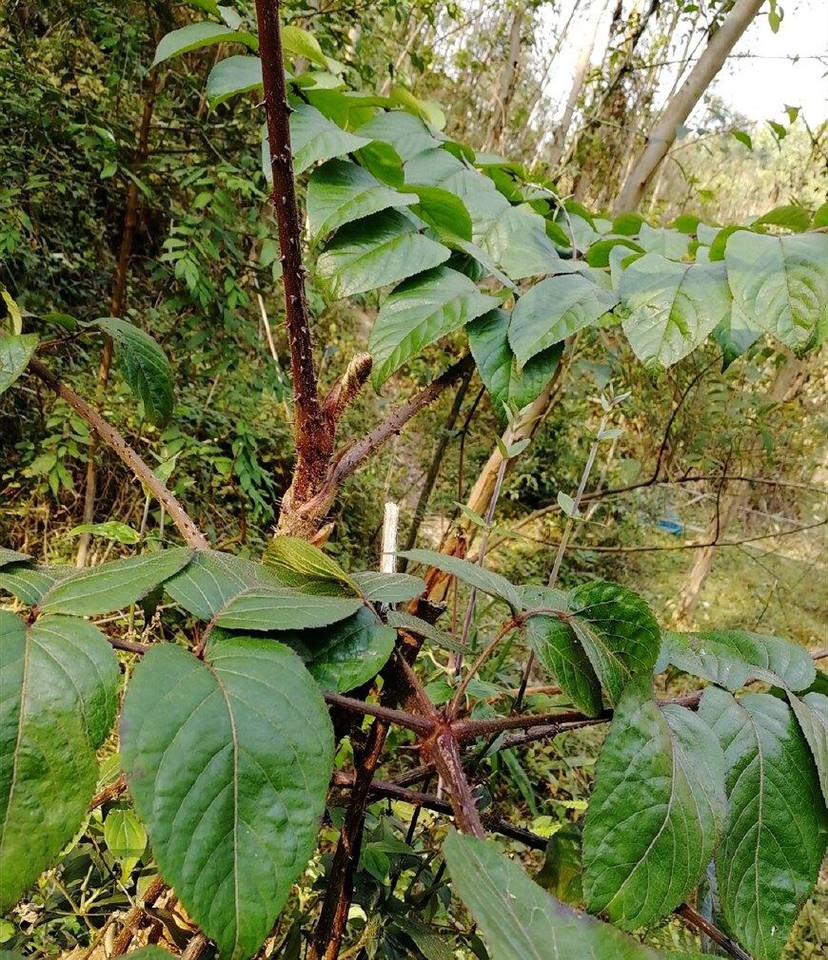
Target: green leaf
{"x":790,"y":216}
{"x":340,"y":192}
{"x":421,"y":628}
{"x":734,"y":658}
{"x":820,"y":217}
{"x":228,"y":761}
{"x":196,"y":35}
{"x":812,"y":715}
{"x":734,"y":337}
{"x":561,"y":873}
{"x":743,"y":138}
{"x":618,"y":632}
{"x":299,"y":564}
{"x":144,"y":365}
{"x":15,"y":353}
{"x":518,"y":919}
{"x":125,"y":838}
{"x":345,"y":655}
{"x":407,"y":134}
{"x":471,"y":573}
{"x":672,"y":244}
{"x":241,"y":595}
{"x":553,"y":310}
{"x":212,"y":579}
{"x":109,"y":530}
{"x":29,"y":584}
{"x":769,"y":856}
{"x":232,"y":76}
{"x":58,"y":688}
{"x":375,"y":251}
{"x":112,"y":586}
{"x":442,"y":209}
{"x":389,"y":587}
{"x":559,"y":651}
{"x":517,"y":240}
{"x":673,"y":307}
{"x":300,"y":43}
{"x":497,"y":366}
{"x":269,"y":608}
{"x":780,"y":284}
{"x":419,"y":312}
{"x":314,"y":137}
{"x":656,"y":812}
{"x":598,"y":254}
{"x":12,"y":556}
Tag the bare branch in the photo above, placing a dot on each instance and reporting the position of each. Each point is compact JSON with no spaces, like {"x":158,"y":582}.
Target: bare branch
{"x":113,"y":439}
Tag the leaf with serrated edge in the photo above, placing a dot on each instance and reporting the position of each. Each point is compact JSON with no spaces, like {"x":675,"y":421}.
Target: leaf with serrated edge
{"x":520,"y":920}
{"x":812,"y":715}
{"x":313,"y":137}
{"x":733,"y":658}
{"x":486,"y":580}
{"x":144,"y":365}
{"x":780,"y":284}
{"x":618,"y":632}
{"x":769,"y":856}
{"x":301,"y":565}
{"x":15,"y":353}
{"x":559,"y":651}
{"x":346,"y":654}
{"x":29,"y":584}
{"x":673,"y":307}
{"x":419,"y":312}
{"x":12,"y":556}
{"x":340,"y":192}
{"x":656,"y":811}
{"x":377,"y":251}
{"x":112,"y":586}
{"x":553,"y":310}
{"x":389,"y":587}
{"x":58,"y":688}
{"x":228,"y":762}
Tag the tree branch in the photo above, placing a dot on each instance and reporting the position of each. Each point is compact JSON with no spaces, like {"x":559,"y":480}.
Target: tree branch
{"x":113,"y":439}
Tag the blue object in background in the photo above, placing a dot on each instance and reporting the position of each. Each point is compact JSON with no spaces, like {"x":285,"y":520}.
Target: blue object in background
{"x":670,"y":526}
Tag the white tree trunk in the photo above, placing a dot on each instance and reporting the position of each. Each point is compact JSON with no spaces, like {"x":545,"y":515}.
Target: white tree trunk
{"x":679,"y":108}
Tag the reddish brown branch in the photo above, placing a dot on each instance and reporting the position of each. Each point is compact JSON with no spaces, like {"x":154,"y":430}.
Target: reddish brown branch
{"x":113,"y":439}
{"x":424,"y":725}
{"x":704,"y":926}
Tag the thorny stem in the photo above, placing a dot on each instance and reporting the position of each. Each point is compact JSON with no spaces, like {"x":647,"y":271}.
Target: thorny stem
{"x":113,"y":438}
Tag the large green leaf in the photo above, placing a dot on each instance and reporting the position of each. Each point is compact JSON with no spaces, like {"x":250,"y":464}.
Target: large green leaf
{"x":812,"y":715}
{"x":228,"y":761}
{"x":497,"y":366}
{"x":553,"y":310}
{"x":340,"y":192}
{"x":656,"y":812}
{"x":197,"y":35}
{"x":518,"y":919}
{"x":29,"y":584}
{"x":300,"y":43}
{"x":305,"y":567}
{"x":419,"y":312}
{"x":58,"y":687}
{"x":314,"y":137}
{"x":472,"y":573}
{"x":618,"y":632}
{"x":242,"y":595}
{"x":232,"y":76}
{"x":559,"y":651}
{"x":12,"y":556}
{"x":442,"y":209}
{"x":407,"y":134}
{"x":780,"y":284}
{"x":144,"y":365}
{"x":672,"y":307}
{"x":112,"y":586}
{"x":733,"y":658}
{"x":15,"y":353}
{"x":378,"y":250}
{"x":769,"y":856}
{"x":388,"y":587}
{"x":517,"y":240}
{"x":345,"y":655}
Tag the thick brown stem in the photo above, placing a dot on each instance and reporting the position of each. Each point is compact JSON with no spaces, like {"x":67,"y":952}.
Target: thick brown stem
{"x":313,"y":429}
{"x":113,"y":439}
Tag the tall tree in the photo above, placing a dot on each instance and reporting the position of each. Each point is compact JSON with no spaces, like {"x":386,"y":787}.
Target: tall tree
{"x":679,"y":108}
